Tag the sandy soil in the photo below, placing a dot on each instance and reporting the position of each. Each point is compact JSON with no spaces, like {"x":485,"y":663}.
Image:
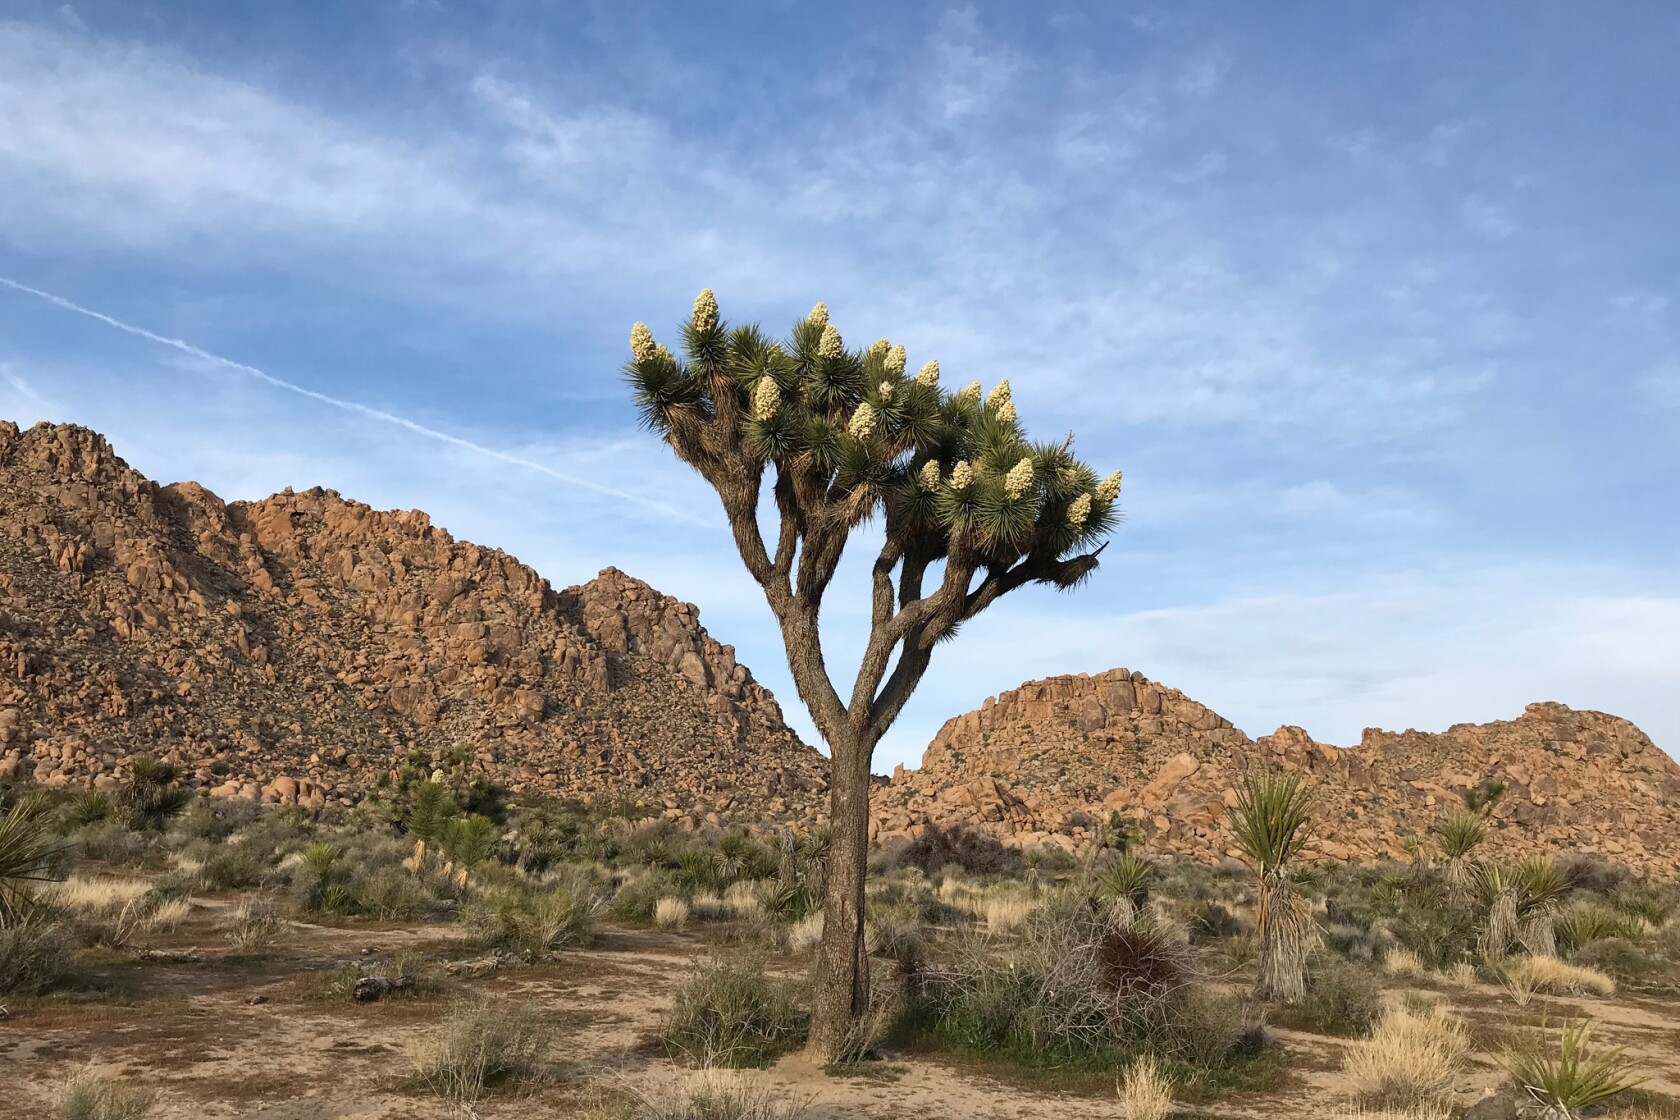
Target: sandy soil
{"x":248,"y":1036}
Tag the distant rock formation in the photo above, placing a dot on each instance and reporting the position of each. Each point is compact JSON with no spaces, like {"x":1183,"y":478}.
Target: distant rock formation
{"x":1043,"y":762}
{"x":291,"y":649}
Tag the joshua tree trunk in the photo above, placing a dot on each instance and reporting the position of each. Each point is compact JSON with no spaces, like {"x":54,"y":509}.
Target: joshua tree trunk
{"x":842,"y":989}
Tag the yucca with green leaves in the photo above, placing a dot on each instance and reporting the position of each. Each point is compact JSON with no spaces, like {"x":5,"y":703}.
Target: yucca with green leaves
{"x":1575,"y":1075}
{"x":1458,"y":835}
{"x":1272,"y":824}
{"x":1123,"y":886}
{"x":1521,"y":901}
{"x":972,"y":511}
{"x":29,"y":856}
{"x":429,"y":812}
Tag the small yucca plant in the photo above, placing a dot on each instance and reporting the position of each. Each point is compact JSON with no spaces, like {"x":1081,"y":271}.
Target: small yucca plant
{"x":1575,"y":1075}
{"x":1458,"y":836}
{"x":1123,"y":886}
{"x":29,"y":855}
{"x":1271,"y":822}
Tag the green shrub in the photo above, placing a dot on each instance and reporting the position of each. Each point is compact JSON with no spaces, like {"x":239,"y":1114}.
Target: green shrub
{"x":110,"y":841}
{"x":636,"y":897}
{"x":533,"y":924}
{"x":729,"y":1013}
{"x":235,"y":867}
{"x":1573,"y":1074}
{"x":976,"y":852}
{"x":32,"y":956}
{"x":1630,"y":963}
{"x":1589,"y":921}
{"x":1341,"y":999}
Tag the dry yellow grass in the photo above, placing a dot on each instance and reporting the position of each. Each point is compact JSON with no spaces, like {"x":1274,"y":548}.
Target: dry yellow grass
{"x":1463,"y":974}
{"x":1555,"y":977}
{"x":743,"y":901}
{"x":87,"y":895}
{"x":707,"y":906}
{"x":1403,"y":964}
{"x":1145,"y":1093}
{"x":670,"y":913}
{"x":1006,"y":913}
{"x":168,"y":915}
{"x":806,"y":932}
{"x":1410,"y":1061}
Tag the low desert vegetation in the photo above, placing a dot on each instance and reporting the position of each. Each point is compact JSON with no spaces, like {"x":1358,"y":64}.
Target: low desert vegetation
{"x":481,"y":1047}
{"x":90,"y":1094}
{"x":1155,"y":977}
{"x":1410,"y":1062}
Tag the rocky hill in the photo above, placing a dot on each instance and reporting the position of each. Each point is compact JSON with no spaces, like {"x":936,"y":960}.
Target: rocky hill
{"x":1037,"y":764}
{"x":292,"y":649}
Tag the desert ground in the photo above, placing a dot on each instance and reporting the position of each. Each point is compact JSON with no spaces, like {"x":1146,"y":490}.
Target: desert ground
{"x":176,"y":996}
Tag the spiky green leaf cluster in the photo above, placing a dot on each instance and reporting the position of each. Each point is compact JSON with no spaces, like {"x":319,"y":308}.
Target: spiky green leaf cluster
{"x":853,"y":436}
{"x":1271,"y":820}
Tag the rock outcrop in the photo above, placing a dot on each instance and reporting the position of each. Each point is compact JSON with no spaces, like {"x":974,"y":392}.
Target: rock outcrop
{"x":1045,"y":762}
{"x":293,"y":648}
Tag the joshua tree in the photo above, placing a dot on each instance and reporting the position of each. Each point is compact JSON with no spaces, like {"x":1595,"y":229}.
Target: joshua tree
{"x":971,"y":510}
{"x":1521,"y":903}
{"x":1459,"y":834}
{"x":1271,"y":824}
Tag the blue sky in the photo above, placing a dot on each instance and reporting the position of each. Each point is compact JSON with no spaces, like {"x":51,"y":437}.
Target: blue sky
{"x":1374,"y":304}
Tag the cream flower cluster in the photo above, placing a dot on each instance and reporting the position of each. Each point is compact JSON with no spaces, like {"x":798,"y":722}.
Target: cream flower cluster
{"x":879,"y":348}
{"x":885,"y":390}
{"x":1109,"y":488}
{"x":642,"y":347}
{"x":1007,"y":412}
{"x":1019,"y":479}
{"x":767,"y":398}
{"x":998,"y":397}
{"x":1079,"y":511}
{"x":929,"y":475}
{"x":970,"y":393}
{"x":705,"y":312}
{"x":818,"y":315}
{"x":863,"y":421}
{"x":962,"y":476}
{"x":896,"y":357}
{"x":929,"y":374}
{"x":830,"y":346}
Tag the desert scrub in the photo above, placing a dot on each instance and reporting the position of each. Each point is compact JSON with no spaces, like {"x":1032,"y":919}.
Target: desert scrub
{"x":32,"y":956}
{"x":481,"y":1047}
{"x":1074,"y":991}
{"x":534,"y":924}
{"x":730,"y":1013}
{"x":1548,"y":974}
{"x":670,"y":913}
{"x":1145,"y":1091}
{"x":91,"y":1095}
{"x":634,"y":901}
{"x":1341,"y":998}
{"x":709,"y":1093}
{"x":255,"y":924}
{"x":1410,"y":1061}
{"x":1572,"y":1074}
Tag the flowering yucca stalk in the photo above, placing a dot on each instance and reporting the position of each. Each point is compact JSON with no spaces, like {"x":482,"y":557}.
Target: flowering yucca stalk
{"x":972,"y":512}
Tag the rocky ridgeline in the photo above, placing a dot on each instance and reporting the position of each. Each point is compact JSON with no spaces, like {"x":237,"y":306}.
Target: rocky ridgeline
{"x":290,"y":650}
{"x":1034,"y":765}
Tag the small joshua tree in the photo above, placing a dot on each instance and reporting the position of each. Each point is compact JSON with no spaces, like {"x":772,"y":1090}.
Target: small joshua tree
{"x":972,"y":511}
{"x":1459,"y":834}
{"x":1271,"y":824}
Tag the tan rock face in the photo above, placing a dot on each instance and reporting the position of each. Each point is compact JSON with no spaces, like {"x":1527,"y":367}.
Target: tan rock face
{"x":1046,"y":761}
{"x":289,"y":650}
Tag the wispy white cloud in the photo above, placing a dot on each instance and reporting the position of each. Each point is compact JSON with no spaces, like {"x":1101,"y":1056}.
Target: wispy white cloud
{"x":379,"y":415}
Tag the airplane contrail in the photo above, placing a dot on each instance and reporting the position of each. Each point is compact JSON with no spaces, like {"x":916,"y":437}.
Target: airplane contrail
{"x":347,"y":406}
